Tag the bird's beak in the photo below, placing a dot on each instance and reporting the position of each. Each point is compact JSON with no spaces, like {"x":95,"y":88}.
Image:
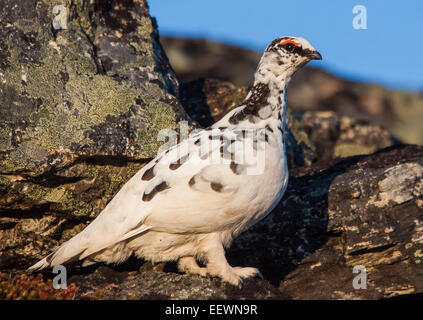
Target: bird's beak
{"x":314,"y":55}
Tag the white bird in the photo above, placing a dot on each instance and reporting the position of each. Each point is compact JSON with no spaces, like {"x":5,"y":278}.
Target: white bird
{"x":189,"y":203}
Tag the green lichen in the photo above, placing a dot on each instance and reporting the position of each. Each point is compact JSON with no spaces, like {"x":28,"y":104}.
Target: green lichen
{"x":8,"y":166}
{"x":5,"y":182}
{"x":28,"y":27}
{"x":44,"y":81}
{"x":68,"y":198}
{"x":13,"y":73}
{"x":94,"y":97}
{"x":297,"y":130}
{"x":28,"y":155}
{"x":118,"y":177}
{"x":55,"y":195}
{"x":352,"y":149}
{"x":5,"y":141}
{"x":159,"y":116}
{"x":144,"y":29}
{"x":300,"y":136}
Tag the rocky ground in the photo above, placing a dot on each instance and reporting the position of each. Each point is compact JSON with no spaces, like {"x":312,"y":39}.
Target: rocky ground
{"x":81,"y":109}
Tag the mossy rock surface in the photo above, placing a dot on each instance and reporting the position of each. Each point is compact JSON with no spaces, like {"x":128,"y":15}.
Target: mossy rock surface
{"x":92,"y":89}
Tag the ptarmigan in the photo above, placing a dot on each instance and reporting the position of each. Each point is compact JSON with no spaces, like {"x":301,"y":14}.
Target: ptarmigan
{"x":188,"y":203}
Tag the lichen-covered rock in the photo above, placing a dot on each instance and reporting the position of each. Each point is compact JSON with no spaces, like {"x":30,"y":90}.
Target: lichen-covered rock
{"x":80,"y":110}
{"x":398,"y":111}
{"x":92,"y":89}
{"x":334,"y":135}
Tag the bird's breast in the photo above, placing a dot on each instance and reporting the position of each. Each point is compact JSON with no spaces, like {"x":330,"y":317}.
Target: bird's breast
{"x":269,"y":186}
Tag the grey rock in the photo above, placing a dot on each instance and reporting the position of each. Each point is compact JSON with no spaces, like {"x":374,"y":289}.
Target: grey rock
{"x":334,"y":135}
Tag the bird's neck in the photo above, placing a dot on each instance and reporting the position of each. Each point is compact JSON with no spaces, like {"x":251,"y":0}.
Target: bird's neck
{"x":276,"y":86}
{"x":265,"y":102}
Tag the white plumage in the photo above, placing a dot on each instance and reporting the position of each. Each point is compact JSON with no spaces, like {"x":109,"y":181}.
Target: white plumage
{"x":191,"y":200}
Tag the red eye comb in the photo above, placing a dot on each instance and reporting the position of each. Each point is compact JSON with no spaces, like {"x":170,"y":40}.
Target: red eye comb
{"x":289,"y":41}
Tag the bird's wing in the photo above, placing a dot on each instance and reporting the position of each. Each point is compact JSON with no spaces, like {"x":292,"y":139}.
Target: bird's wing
{"x":199,"y":193}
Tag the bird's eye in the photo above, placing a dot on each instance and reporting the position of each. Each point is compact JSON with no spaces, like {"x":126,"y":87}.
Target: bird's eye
{"x":289,"y":47}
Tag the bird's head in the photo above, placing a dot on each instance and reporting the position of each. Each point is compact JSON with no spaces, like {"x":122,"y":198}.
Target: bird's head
{"x":285,"y":55}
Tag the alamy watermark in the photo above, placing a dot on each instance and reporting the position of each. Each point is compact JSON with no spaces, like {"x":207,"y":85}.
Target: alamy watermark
{"x":360,"y":280}
{"x":61,"y":18}
{"x":61,"y":280}
{"x":360,"y":19}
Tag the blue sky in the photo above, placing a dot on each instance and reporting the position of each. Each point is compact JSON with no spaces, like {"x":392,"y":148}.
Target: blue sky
{"x":389,"y":51}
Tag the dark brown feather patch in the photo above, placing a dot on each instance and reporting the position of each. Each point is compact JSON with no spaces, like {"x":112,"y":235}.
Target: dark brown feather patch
{"x":160,"y":187}
{"x":148,"y":174}
{"x":234,"y":167}
{"x":191,"y":181}
{"x":258,"y":99}
{"x":178,"y":163}
{"x":269,"y":128}
{"x":216,"y":186}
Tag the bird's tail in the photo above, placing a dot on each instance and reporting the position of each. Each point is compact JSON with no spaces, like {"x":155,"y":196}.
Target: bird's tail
{"x":68,"y":251}
{"x":87,"y":243}
{"x":42,"y":264}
